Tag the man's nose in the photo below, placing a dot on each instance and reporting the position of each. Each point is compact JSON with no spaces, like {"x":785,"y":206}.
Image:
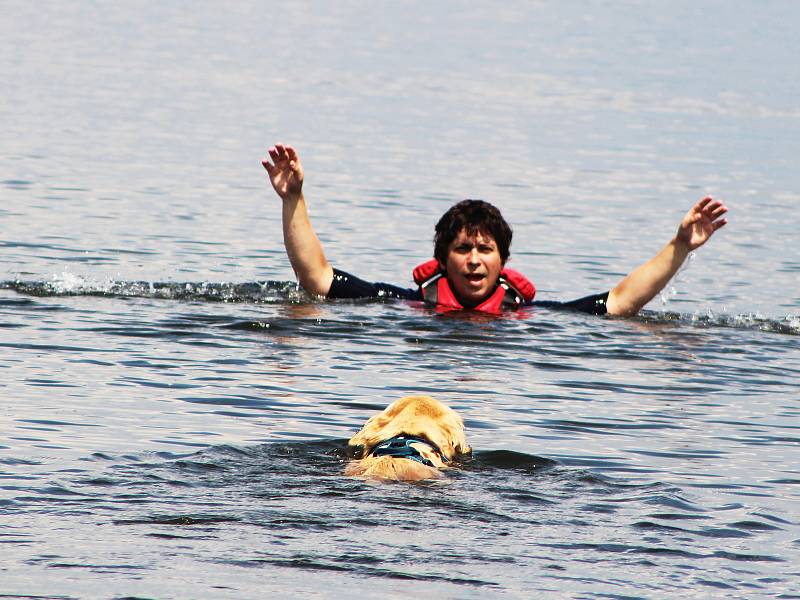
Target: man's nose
{"x":473,"y":257}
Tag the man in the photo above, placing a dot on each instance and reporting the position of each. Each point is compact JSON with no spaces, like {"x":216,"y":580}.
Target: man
{"x":471,"y":248}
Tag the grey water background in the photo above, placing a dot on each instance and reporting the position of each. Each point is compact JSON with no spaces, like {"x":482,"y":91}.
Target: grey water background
{"x":175,"y":411}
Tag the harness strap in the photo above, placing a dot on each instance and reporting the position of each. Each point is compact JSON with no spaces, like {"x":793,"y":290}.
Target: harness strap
{"x":400,"y":447}
{"x":430,"y":290}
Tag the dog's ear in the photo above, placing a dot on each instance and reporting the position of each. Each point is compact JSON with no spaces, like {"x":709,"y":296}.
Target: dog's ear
{"x":461,"y":447}
{"x":453,"y":426}
{"x":458,"y":441}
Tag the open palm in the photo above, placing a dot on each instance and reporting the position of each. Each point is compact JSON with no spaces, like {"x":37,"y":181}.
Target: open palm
{"x":700,"y":223}
{"x":285,"y":171}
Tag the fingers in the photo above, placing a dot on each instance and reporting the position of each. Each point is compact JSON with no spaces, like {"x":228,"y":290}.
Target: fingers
{"x":702,"y":203}
{"x":279,"y":153}
{"x":702,"y":221}
{"x":714,"y":213}
{"x":709,"y":208}
{"x":717,"y":209}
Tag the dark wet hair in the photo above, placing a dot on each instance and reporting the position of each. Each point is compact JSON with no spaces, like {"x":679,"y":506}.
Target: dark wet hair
{"x":475,"y":216}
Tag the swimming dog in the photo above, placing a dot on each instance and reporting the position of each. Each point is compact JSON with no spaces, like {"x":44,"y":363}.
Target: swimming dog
{"x":412,"y":439}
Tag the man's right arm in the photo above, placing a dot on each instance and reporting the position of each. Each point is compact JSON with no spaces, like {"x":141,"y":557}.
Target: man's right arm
{"x":303,"y":247}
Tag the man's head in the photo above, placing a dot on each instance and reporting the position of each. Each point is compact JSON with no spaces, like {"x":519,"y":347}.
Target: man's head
{"x":472,"y":244}
{"x":473,"y":217}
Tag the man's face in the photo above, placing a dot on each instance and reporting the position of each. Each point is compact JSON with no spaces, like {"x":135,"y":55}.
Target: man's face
{"x":473,"y":267}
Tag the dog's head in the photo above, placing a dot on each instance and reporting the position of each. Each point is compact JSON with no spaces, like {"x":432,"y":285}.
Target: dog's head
{"x":420,"y":416}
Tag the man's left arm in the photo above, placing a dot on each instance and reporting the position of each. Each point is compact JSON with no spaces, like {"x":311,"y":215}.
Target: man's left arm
{"x":644,"y":282}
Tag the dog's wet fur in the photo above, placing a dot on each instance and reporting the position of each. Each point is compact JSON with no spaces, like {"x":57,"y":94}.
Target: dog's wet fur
{"x":418,"y":416}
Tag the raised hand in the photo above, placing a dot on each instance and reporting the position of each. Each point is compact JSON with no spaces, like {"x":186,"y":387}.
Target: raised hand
{"x":285,"y":171}
{"x":644,"y":282}
{"x":302,"y":244}
{"x":700,"y":223}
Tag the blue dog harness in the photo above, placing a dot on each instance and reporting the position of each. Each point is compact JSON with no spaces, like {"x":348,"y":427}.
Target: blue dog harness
{"x":400,"y":447}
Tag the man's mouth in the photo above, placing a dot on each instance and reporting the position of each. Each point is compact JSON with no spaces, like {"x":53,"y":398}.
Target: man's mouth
{"x":474,"y":277}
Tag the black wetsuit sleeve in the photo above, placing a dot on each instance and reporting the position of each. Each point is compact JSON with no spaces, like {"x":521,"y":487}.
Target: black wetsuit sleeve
{"x":594,"y":304}
{"x":345,"y":285}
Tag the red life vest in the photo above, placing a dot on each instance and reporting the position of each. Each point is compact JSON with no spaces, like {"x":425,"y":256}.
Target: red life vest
{"x":513,"y":289}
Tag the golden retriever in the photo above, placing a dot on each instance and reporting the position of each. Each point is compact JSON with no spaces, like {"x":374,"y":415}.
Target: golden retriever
{"x":412,"y":439}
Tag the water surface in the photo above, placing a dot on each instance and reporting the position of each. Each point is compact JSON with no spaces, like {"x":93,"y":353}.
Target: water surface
{"x":176,"y":410}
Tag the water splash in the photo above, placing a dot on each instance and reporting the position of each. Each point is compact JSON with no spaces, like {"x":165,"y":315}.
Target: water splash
{"x":288,"y":292}
{"x":789,"y":324}
{"x":69,"y":284}
{"x":671,"y":290}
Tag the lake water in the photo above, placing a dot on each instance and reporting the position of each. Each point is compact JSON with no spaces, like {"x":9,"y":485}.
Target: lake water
{"x":175,"y":411}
